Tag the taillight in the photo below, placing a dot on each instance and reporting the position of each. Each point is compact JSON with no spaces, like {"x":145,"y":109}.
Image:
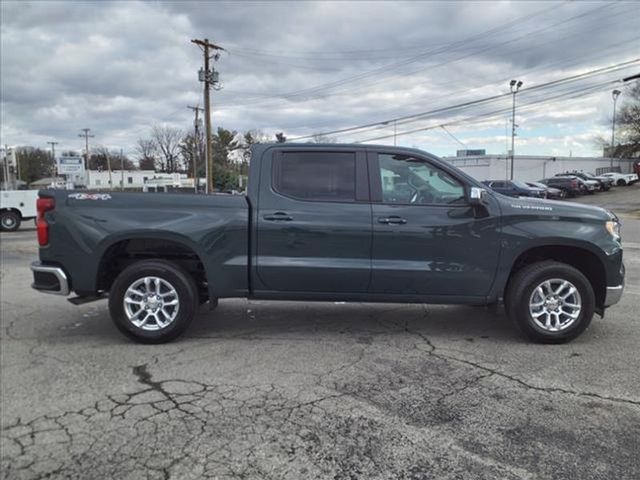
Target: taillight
{"x":43,"y":205}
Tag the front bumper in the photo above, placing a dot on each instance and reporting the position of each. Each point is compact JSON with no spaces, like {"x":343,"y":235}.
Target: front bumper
{"x":49,"y":279}
{"x":614,"y":294}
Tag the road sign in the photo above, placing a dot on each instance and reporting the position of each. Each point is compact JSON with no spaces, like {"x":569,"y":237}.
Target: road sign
{"x":70,"y":165}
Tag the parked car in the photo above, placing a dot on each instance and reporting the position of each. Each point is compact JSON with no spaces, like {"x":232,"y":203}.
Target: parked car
{"x":605,"y":182}
{"x":552,"y":192}
{"x":334,"y":223}
{"x":590,"y":186}
{"x":622,"y":179}
{"x":586,"y":186}
{"x":570,"y":185}
{"x":16,"y":206}
{"x":515,"y":188}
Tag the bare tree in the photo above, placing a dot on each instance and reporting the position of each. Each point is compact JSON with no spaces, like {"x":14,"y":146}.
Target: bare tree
{"x":167,"y":140}
{"x":628,"y":120}
{"x":627,"y":135}
{"x":146,"y":151}
{"x":103,"y":159}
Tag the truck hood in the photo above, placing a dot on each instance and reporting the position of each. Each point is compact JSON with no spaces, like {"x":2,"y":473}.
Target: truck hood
{"x":552,"y":208}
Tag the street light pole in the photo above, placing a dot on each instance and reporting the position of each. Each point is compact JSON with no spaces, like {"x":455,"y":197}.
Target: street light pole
{"x":514,"y":85}
{"x":615,"y":94}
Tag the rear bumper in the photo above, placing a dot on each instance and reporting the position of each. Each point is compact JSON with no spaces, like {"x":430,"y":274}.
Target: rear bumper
{"x":49,"y":279}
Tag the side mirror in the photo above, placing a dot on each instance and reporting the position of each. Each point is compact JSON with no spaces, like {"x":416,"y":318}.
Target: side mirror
{"x":478,"y":196}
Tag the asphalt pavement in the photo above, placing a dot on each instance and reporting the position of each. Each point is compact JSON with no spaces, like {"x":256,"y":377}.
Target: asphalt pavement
{"x":293,"y":390}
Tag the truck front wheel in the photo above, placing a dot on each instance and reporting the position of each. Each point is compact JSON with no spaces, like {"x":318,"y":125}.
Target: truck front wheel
{"x":551,"y":302}
{"x":10,"y":221}
{"x":153,"y":301}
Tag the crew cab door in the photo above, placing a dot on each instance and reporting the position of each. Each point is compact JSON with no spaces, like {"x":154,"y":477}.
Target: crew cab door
{"x":314,"y":221}
{"x":427,"y":240}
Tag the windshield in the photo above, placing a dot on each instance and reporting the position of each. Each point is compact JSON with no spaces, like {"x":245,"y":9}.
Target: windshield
{"x":520,"y":184}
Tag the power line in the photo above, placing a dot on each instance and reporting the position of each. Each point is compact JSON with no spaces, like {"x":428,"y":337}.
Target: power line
{"x":583,"y":91}
{"x":425,"y":54}
{"x":415,"y":116}
{"x":452,"y":135}
{"x":308,"y":92}
{"x":501,"y":80}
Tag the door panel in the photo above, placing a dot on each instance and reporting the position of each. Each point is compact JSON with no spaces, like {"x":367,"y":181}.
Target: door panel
{"x":314,"y":232}
{"x":428,"y":246}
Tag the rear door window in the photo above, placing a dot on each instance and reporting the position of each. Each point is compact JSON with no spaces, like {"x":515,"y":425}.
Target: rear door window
{"x":316,"y":176}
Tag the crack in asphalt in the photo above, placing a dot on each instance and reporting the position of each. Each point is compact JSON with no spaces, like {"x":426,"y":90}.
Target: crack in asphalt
{"x":433,"y":350}
{"x":386,"y":411}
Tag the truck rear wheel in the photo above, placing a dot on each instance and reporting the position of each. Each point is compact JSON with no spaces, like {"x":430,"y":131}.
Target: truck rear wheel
{"x":10,"y":221}
{"x":153,"y":301}
{"x":551,"y":302}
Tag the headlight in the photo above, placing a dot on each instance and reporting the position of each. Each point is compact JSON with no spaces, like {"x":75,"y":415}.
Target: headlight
{"x":613,"y":228}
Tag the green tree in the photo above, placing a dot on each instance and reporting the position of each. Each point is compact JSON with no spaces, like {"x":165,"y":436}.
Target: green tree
{"x":280,"y":138}
{"x":192,"y":150}
{"x":223,"y":143}
{"x":225,"y":179}
{"x":35,"y":163}
{"x":250,"y":138}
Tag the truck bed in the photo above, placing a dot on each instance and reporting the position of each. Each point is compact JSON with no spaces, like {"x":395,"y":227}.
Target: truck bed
{"x":88,"y":228}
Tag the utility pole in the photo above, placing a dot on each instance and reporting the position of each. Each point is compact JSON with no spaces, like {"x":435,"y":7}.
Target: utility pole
{"x":615,"y":94}
{"x":18,"y":177}
{"x":5,"y":166}
{"x":109,"y":168}
{"x":196,"y":144}
{"x":209,"y":78}
{"x":53,"y":154}
{"x":514,"y":85}
{"x":85,"y":134}
{"x":121,"y":171}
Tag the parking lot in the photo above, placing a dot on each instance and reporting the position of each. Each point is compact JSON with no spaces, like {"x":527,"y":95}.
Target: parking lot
{"x":312,"y":390}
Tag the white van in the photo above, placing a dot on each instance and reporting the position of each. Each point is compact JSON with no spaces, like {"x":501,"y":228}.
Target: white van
{"x":16,"y":206}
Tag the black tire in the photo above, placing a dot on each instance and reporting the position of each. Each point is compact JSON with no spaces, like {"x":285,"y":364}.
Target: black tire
{"x":621,"y":183}
{"x":520,"y":291}
{"x":180,"y":280}
{"x":9,"y":221}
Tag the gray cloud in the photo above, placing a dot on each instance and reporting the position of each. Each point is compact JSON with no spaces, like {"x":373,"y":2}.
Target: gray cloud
{"x":120,"y":67}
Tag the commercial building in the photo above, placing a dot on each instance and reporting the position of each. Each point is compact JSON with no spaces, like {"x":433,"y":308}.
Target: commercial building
{"x":133,"y":179}
{"x":530,"y":168}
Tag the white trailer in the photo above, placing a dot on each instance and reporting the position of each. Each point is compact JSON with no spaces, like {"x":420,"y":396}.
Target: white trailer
{"x":16,"y":206}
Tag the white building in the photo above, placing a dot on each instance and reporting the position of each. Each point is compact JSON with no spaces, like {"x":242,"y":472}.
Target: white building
{"x":137,"y":179}
{"x":530,"y":168}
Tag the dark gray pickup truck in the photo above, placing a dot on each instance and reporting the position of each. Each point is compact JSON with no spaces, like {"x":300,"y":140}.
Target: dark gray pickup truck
{"x":332,"y":222}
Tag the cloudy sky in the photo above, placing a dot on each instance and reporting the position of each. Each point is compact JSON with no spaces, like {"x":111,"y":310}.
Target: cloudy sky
{"x":306,"y":67}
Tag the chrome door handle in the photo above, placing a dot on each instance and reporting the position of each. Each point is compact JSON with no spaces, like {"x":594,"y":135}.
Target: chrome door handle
{"x":393,"y":220}
{"x":278,"y":217}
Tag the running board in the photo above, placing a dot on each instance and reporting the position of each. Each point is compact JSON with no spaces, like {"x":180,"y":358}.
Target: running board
{"x":83,"y":300}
